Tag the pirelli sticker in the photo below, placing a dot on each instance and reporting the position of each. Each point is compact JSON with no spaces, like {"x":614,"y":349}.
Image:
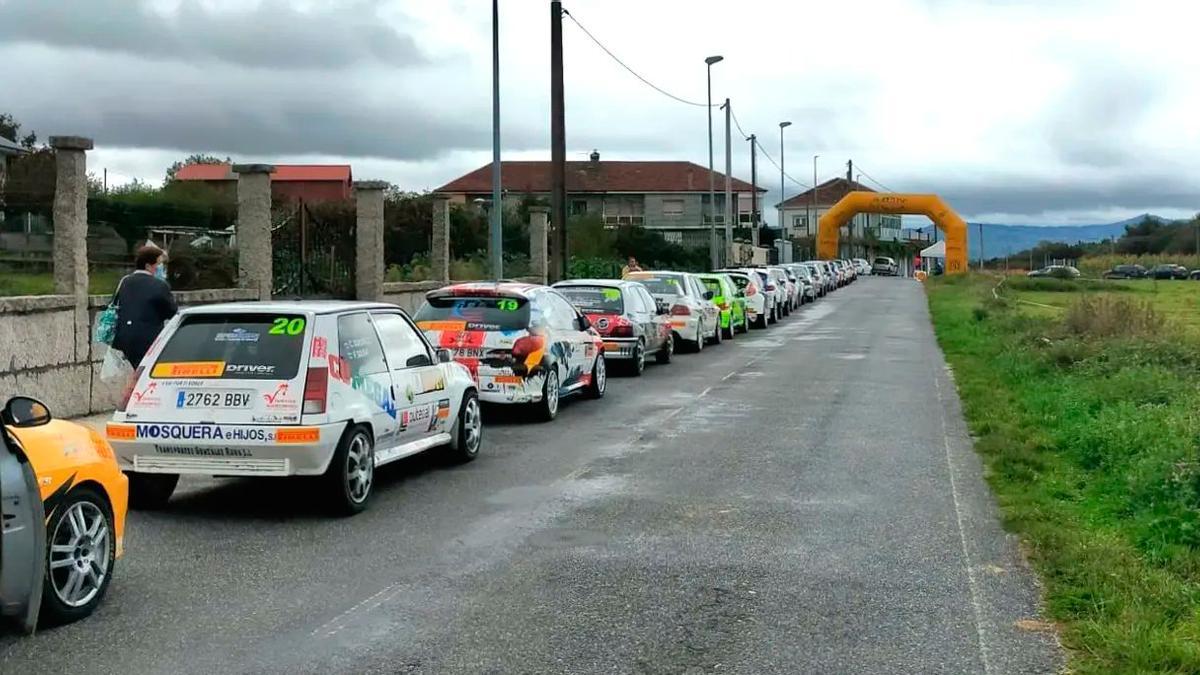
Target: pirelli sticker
{"x":298,"y":435}
{"x":442,"y":325}
{"x":189,"y":369}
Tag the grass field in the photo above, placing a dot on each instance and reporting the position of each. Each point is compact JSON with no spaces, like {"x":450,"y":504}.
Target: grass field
{"x":42,"y":283}
{"x":1086,"y":410}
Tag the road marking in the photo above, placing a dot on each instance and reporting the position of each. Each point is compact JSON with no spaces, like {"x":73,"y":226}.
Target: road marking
{"x":704,"y":393}
{"x":972,"y":582}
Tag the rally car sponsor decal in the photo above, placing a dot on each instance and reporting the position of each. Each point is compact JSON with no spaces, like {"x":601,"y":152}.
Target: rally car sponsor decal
{"x":147,"y":396}
{"x":189,"y":369}
{"x":416,"y":415}
{"x":211,"y":432}
{"x":320,"y":347}
{"x":202,"y":451}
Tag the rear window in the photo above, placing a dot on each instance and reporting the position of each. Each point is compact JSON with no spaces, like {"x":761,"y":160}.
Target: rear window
{"x":662,"y":284}
{"x":712,"y":285}
{"x":486,"y":313}
{"x":234,"y":346}
{"x":883,"y":261}
{"x":742,"y":282}
{"x":594,"y":299}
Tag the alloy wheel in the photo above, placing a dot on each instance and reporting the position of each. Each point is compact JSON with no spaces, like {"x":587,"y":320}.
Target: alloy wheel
{"x":79,"y":554}
{"x":472,"y":426}
{"x":360,"y":468}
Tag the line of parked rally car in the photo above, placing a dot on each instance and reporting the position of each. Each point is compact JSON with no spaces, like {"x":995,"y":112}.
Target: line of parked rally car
{"x":332,"y":390}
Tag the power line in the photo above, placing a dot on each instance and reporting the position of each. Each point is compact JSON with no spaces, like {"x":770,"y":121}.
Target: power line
{"x":633,"y":72}
{"x":763,"y":150}
{"x":858,"y":169}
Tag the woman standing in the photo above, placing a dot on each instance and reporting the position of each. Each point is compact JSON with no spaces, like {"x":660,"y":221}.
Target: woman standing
{"x":144,"y":303}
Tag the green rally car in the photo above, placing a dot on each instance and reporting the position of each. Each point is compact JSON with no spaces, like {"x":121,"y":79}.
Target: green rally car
{"x":729,"y":300}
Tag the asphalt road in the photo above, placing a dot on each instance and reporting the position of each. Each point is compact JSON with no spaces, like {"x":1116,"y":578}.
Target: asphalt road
{"x":800,"y":500}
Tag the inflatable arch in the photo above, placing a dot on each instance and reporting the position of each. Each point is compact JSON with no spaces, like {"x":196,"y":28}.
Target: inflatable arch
{"x":943,"y":217}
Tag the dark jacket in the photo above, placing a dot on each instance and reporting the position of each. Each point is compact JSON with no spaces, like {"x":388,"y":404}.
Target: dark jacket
{"x":144,"y":304}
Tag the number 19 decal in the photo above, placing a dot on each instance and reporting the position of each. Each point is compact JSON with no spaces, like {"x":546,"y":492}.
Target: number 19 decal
{"x":285,"y":326}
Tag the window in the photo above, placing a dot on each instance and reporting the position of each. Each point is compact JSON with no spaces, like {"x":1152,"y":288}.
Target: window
{"x":673,"y":208}
{"x":560,"y":313}
{"x":487,"y":313}
{"x":268,"y":345}
{"x":647,"y":299}
{"x":673,"y":237}
{"x":400,"y":340}
{"x":359,"y":345}
{"x":578,"y":207}
{"x":633,"y":302}
{"x":595,"y":299}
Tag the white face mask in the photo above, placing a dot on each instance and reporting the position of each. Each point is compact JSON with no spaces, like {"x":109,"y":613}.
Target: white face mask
{"x":160,"y":271}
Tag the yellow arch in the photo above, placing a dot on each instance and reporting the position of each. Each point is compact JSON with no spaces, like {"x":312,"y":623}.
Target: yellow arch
{"x":954,"y":227}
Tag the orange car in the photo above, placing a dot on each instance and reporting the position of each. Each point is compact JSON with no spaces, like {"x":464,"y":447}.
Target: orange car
{"x":58,"y":550}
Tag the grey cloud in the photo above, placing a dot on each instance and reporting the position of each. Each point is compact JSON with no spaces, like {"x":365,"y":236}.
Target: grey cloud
{"x":1096,"y":116}
{"x":273,"y":34}
{"x":1032,"y":197}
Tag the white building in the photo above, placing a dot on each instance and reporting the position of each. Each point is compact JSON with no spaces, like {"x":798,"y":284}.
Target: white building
{"x":799,"y":215}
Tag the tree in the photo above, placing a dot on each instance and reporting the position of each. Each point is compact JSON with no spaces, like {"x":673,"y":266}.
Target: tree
{"x":10,"y":128}
{"x":193,"y":159}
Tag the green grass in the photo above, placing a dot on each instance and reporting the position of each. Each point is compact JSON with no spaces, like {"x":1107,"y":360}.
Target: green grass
{"x":42,"y":283}
{"x":1091,"y":444}
{"x":1179,"y":301}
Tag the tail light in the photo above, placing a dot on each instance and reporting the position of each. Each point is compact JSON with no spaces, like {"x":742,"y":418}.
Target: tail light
{"x":129,"y":387}
{"x":527,"y":345}
{"x":770,"y":287}
{"x":751,"y":290}
{"x":681,"y":310}
{"x":620,"y":327}
{"x":723,"y":305}
{"x":316,"y":390}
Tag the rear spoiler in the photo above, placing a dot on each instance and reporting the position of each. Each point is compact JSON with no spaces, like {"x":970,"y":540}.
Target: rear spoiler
{"x":474,"y":292}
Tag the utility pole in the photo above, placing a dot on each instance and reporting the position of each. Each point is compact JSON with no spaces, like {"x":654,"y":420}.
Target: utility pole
{"x":849,"y":177}
{"x":754,"y":190}
{"x":782,"y":185}
{"x":497,"y":219}
{"x":981,"y":247}
{"x":558,"y":148}
{"x":812,"y":219}
{"x":730,"y":211}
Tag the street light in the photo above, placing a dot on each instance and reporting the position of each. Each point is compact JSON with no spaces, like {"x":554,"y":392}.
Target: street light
{"x":814,"y":195}
{"x":496,"y":224}
{"x":782,"y":185}
{"x":712,"y":181}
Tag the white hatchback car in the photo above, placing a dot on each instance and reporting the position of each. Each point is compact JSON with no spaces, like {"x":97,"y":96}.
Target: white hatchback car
{"x":693,"y":316}
{"x":321,"y":388}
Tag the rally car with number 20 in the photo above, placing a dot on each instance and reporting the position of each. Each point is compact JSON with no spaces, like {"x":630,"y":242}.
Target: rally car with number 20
{"x":317,"y":388}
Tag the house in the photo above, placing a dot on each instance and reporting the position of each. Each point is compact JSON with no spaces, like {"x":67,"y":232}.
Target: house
{"x":670,"y":197}
{"x":8,"y":149}
{"x":308,"y":182}
{"x":801,"y":213}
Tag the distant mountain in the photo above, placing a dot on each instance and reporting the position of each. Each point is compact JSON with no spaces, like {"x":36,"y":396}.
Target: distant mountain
{"x":1000,"y":239}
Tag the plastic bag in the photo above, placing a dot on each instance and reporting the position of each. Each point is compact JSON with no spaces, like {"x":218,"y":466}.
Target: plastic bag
{"x":115,"y":367}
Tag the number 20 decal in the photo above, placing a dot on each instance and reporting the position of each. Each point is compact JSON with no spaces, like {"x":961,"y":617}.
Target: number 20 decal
{"x":284,"y":326}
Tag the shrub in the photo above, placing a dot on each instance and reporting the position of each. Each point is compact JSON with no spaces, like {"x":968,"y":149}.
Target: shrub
{"x":1102,"y":316}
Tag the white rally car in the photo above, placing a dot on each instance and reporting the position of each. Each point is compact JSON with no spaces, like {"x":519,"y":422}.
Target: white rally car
{"x":321,"y":388}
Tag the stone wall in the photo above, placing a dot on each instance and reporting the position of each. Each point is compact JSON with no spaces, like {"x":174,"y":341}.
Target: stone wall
{"x":38,"y":338}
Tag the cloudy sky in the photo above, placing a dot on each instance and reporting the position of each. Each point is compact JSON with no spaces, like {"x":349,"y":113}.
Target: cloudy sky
{"x":1043,"y":111}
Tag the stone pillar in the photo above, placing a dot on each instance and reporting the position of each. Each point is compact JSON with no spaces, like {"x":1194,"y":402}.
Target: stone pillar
{"x":254,"y":227}
{"x":539,"y":221}
{"x":439,"y":250}
{"x":70,"y":230}
{"x":368,"y":240}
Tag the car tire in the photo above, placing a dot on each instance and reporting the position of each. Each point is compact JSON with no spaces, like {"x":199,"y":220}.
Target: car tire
{"x":599,"y":383}
{"x":698,"y":345}
{"x":638,"y":365}
{"x":81,"y":527}
{"x":745,"y":327}
{"x":151,"y":491}
{"x":716,"y":334}
{"x":351,"y":474}
{"x":761,"y":322}
{"x":468,"y":433}
{"x":728,"y":333}
{"x":666,"y":351}
{"x":547,"y":408}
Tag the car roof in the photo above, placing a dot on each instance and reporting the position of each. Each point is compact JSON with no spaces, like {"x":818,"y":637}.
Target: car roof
{"x":513,"y":288}
{"x":611,"y":283}
{"x":285,"y":306}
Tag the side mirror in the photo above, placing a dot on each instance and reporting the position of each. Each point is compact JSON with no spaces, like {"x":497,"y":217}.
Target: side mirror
{"x":444,"y":356}
{"x":709,"y":295}
{"x":23,"y":412}
{"x":584,"y":322}
{"x":660,"y":308}
{"x":418,"y":360}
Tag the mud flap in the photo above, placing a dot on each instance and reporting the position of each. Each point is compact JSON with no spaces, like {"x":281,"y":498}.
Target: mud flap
{"x":22,"y":539}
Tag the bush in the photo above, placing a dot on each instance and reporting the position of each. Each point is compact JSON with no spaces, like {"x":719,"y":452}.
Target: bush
{"x":1102,"y":316}
{"x":190,"y":269}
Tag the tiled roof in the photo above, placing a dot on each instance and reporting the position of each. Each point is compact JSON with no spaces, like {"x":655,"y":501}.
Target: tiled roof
{"x":283,"y":172}
{"x":828,"y":193}
{"x":596,"y":176}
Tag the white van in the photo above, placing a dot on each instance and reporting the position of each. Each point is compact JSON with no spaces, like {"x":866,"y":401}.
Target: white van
{"x":319,"y":388}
